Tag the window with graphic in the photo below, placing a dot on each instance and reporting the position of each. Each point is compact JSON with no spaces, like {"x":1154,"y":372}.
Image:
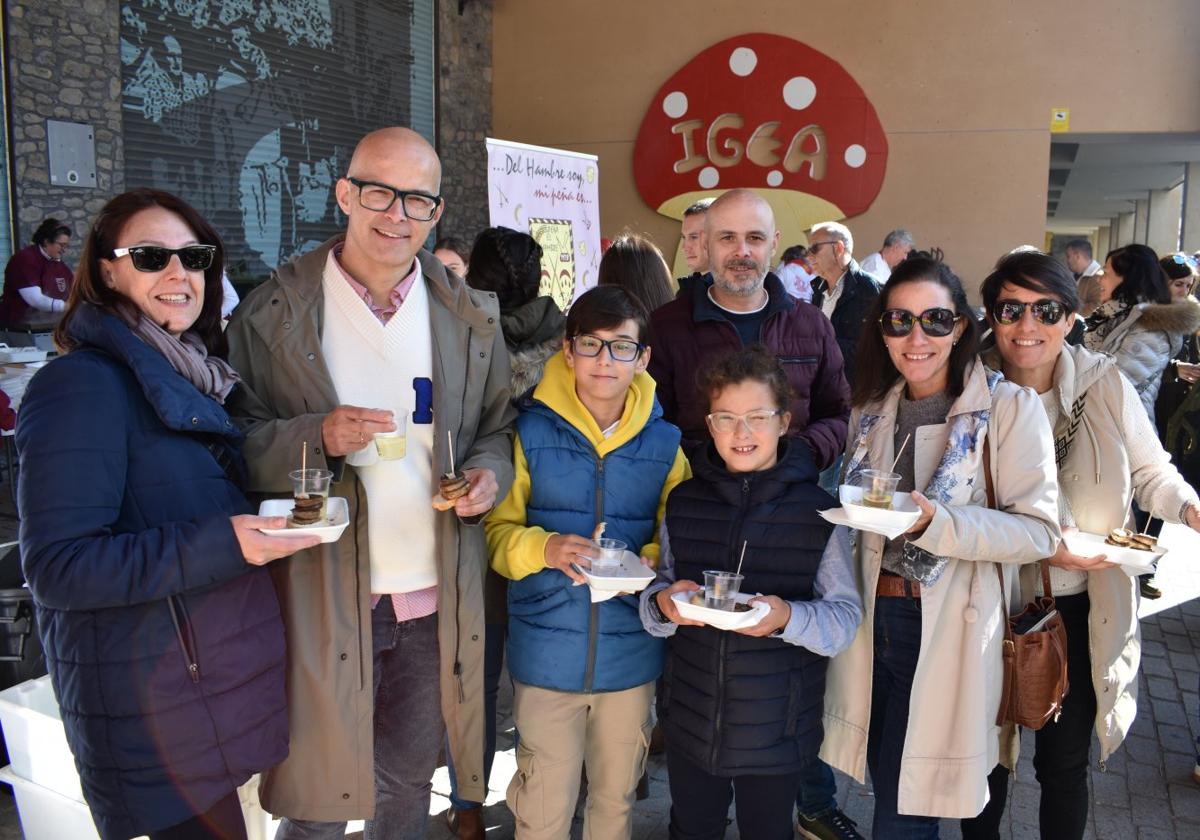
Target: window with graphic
{"x":251,"y":111}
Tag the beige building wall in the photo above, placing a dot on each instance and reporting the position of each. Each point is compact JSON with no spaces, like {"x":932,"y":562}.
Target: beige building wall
{"x":1163,"y":226}
{"x":964,"y":92}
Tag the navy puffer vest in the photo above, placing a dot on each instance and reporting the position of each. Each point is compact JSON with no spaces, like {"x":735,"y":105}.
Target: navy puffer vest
{"x":558,"y":638}
{"x":733,"y":704}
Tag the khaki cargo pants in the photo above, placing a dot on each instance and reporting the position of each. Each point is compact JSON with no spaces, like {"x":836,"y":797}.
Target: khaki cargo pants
{"x":560,"y":732}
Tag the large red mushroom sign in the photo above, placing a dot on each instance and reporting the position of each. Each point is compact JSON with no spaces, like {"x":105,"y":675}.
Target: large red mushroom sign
{"x":766,"y":113}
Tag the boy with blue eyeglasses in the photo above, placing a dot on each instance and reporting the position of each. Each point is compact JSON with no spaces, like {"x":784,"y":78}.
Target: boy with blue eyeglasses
{"x":591,"y":447}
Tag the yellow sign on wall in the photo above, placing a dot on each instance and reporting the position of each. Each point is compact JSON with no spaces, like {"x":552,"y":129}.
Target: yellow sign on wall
{"x":1060,"y":120}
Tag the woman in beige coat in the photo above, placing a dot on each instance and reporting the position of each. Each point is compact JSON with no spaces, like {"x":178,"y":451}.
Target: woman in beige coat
{"x":915,"y":697}
{"x":1107,"y":452}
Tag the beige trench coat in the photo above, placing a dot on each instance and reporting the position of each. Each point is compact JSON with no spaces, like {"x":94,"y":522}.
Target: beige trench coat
{"x":325,"y":592}
{"x":952,"y":741}
{"x":1098,"y":480}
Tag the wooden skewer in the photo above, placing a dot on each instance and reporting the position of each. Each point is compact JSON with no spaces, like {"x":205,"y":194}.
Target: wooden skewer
{"x":304,"y":470}
{"x":901,"y":452}
{"x":450,"y":444}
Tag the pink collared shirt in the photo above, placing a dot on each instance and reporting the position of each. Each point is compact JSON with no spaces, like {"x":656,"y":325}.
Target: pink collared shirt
{"x":423,"y":602}
{"x":395,"y":298}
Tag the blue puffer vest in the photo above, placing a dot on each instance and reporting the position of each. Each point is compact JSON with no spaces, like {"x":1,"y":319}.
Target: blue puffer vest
{"x":165,"y":648}
{"x":558,"y":638}
{"x":733,"y":704}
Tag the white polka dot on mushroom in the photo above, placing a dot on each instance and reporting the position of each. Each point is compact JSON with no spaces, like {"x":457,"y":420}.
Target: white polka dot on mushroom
{"x":774,"y":178}
{"x":742,"y":61}
{"x":856,"y":156}
{"x":799,"y":92}
{"x":709,"y":177}
{"x":675,"y":104}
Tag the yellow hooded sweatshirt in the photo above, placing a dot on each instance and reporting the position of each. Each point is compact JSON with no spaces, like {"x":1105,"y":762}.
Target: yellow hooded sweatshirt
{"x":517,"y":549}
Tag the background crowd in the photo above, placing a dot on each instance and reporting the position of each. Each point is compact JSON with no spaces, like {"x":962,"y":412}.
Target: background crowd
{"x":704,"y":421}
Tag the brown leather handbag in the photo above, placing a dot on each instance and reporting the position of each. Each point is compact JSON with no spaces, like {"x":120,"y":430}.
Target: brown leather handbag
{"x":1035,"y":660}
{"x":1035,"y":649}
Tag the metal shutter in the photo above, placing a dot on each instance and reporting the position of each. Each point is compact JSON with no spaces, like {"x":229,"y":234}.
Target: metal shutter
{"x":250,"y":109}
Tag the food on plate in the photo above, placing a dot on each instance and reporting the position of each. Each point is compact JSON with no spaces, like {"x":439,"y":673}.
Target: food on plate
{"x":307,"y":511}
{"x":1119,"y":536}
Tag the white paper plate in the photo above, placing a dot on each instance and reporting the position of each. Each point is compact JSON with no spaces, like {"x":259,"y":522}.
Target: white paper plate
{"x":1132,"y":561}
{"x":337,"y":510}
{"x":633,"y":576}
{"x":891,"y":523}
{"x":721,"y":619}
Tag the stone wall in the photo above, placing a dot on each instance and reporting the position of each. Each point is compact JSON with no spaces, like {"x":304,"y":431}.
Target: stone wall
{"x":64,"y":64}
{"x":464,"y":113}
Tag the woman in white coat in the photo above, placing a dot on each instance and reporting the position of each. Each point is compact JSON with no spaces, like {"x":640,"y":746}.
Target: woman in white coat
{"x":1107,"y":452}
{"x":915,"y":697}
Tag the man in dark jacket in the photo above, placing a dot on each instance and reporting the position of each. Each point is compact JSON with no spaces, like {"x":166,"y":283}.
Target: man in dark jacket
{"x":844,"y":291}
{"x":739,"y":303}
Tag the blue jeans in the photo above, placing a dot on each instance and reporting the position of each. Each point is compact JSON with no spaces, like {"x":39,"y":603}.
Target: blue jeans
{"x":897,"y":646}
{"x":408,"y":731}
{"x":817,"y":793}
{"x":493,"y":664}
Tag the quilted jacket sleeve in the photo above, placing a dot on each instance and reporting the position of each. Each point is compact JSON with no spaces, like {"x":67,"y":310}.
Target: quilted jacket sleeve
{"x":74,"y":434}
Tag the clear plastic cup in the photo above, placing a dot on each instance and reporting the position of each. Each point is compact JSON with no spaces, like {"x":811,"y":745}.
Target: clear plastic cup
{"x":879,"y":488}
{"x":721,"y":589}
{"x":392,"y":446}
{"x":609,"y":561}
{"x":309,"y":483}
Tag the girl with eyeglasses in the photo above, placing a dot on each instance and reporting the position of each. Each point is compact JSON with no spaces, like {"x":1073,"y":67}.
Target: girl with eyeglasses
{"x":161,"y":627}
{"x":1106,"y":453}
{"x":914,"y":698}
{"x":742,"y":709}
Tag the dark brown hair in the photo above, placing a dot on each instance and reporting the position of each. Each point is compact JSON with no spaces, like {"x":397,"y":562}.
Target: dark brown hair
{"x":751,"y":364}
{"x":1033,"y":270}
{"x":89,"y":286}
{"x":507,"y":262}
{"x":458,"y":246}
{"x":1142,"y":278}
{"x":876,"y":374}
{"x":635,"y":262}
{"x":606,"y":308}
{"x":49,"y":230}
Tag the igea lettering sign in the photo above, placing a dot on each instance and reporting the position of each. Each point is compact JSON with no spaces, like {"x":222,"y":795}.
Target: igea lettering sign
{"x":767,"y":113}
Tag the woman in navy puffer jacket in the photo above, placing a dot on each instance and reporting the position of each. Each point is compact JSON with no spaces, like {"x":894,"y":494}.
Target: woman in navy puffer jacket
{"x":161,"y":628}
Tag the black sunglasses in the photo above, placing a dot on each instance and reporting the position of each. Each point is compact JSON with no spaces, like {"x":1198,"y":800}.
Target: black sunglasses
{"x":155,"y":258}
{"x":1009,"y":312}
{"x":936,"y":323}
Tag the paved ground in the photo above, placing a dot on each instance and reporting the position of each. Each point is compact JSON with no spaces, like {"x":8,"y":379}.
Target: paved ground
{"x":1145,"y":792}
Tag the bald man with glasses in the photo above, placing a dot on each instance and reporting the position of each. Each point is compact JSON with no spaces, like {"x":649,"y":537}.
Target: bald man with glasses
{"x":369,"y":335}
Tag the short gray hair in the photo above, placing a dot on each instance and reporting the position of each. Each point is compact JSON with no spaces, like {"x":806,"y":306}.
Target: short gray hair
{"x":838,"y":231}
{"x":900,"y":236}
{"x":699,"y":208}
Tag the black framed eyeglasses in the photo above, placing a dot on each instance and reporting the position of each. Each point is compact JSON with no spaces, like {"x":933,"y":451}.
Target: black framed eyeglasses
{"x":936,"y":322}
{"x":155,"y":258}
{"x":418,"y":206}
{"x":1009,"y":312}
{"x":724,"y":422}
{"x":621,"y":349}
